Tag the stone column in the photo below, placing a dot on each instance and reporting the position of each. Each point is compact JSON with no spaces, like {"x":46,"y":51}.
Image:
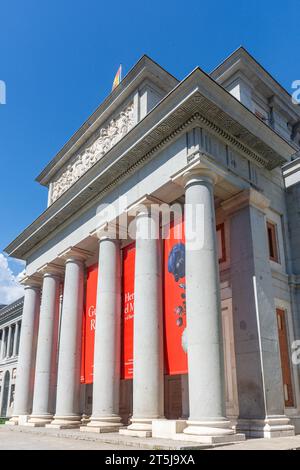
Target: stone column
{"x":207,"y":421}
{"x":105,"y":414}
{"x":2,"y":343}
{"x":16,"y":339}
{"x":5,"y":332}
{"x":148,"y":371}
{"x":19,"y":336}
{"x":26,"y":361}
{"x":259,"y":376}
{"x":9,"y":341}
{"x":67,"y":414}
{"x":45,"y":370}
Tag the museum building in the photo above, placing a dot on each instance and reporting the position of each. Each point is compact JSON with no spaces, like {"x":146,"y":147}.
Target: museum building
{"x":10,"y":329}
{"x":191,"y":332}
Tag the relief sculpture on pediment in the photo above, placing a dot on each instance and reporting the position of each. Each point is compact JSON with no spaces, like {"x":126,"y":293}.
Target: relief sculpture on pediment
{"x":93,"y":151}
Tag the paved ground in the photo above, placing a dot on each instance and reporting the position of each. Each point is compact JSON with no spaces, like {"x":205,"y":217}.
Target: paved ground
{"x":277,"y":443}
{"x":20,"y":437}
{"x":12,"y":440}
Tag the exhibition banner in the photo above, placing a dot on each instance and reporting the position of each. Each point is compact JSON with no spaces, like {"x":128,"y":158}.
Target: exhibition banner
{"x":89,"y":325}
{"x":127,"y":312}
{"x":175,"y":337}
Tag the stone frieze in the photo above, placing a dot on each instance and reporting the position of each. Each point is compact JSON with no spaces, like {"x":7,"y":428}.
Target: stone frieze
{"x":93,"y":151}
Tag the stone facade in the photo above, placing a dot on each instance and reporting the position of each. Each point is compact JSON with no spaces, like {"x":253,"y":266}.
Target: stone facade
{"x":218,"y":142}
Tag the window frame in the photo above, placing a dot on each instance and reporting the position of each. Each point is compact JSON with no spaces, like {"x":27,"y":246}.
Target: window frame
{"x":273,"y":245}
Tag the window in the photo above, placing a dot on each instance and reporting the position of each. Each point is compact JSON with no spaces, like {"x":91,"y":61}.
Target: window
{"x":284,"y":357}
{"x":272,"y":240}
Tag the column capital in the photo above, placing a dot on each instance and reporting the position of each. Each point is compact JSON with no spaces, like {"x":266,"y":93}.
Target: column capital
{"x":51,"y":269}
{"x":74,"y":254}
{"x":143,"y":205}
{"x":109,"y":230}
{"x":248,"y":197}
{"x":197,"y":170}
{"x":32,"y":281}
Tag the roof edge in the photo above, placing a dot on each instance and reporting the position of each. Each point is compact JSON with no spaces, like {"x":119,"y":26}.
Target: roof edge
{"x":113,"y":98}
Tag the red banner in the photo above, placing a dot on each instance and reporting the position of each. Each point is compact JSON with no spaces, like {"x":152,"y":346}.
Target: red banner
{"x":89,"y":325}
{"x":127,"y":312}
{"x":175,"y":341}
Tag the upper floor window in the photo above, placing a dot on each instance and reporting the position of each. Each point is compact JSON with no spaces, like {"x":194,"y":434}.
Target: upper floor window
{"x":273,"y":241}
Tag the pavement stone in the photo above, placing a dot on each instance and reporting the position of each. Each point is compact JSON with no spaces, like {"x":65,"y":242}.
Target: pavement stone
{"x":22,"y":437}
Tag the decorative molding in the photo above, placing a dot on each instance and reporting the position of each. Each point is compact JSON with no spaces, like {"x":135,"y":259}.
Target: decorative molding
{"x":209,"y":125}
{"x":101,"y":142}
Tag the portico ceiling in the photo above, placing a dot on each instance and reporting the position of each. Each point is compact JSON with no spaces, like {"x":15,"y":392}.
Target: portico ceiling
{"x":196,"y":101}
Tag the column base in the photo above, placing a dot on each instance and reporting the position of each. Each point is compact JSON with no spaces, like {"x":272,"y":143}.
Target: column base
{"x":85,"y":419}
{"x":37,"y":421}
{"x":139,"y":427}
{"x":210,"y":432}
{"x":103,"y":424}
{"x":64,"y":422}
{"x":168,"y":428}
{"x":272,"y":426}
{"x":13,"y":421}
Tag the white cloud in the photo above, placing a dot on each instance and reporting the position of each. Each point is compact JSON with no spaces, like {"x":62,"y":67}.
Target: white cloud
{"x":10,"y":288}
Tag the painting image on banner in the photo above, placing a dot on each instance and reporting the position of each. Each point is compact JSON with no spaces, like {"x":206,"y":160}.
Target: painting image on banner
{"x":174,"y":300}
{"x":89,"y":325}
{"x":127,"y":312}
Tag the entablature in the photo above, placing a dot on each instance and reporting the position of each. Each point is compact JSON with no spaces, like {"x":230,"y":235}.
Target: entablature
{"x":198,"y":101}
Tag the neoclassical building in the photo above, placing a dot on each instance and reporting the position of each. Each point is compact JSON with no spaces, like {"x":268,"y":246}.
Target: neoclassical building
{"x":182,"y":326}
{"x":10,"y":329}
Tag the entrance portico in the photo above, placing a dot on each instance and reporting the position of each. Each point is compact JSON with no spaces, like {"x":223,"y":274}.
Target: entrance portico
{"x":133,"y":304}
{"x":207,"y":420}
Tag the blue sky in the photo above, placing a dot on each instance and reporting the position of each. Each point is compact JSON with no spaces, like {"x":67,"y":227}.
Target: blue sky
{"x":58,"y":60}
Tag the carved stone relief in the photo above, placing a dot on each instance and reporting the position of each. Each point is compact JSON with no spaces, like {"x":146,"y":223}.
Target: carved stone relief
{"x":94,"y":149}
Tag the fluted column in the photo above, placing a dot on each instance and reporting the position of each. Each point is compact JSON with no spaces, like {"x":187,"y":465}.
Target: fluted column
{"x":67,"y":414}
{"x":207,"y":420}
{"x":148,"y":339}
{"x":16,"y":339}
{"x":45,"y":370}
{"x":105,"y":414}
{"x":26,"y":362}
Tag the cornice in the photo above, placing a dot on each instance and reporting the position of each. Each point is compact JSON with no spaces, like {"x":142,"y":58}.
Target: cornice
{"x":11,"y":311}
{"x":242,"y":60}
{"x":144,"y":69}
